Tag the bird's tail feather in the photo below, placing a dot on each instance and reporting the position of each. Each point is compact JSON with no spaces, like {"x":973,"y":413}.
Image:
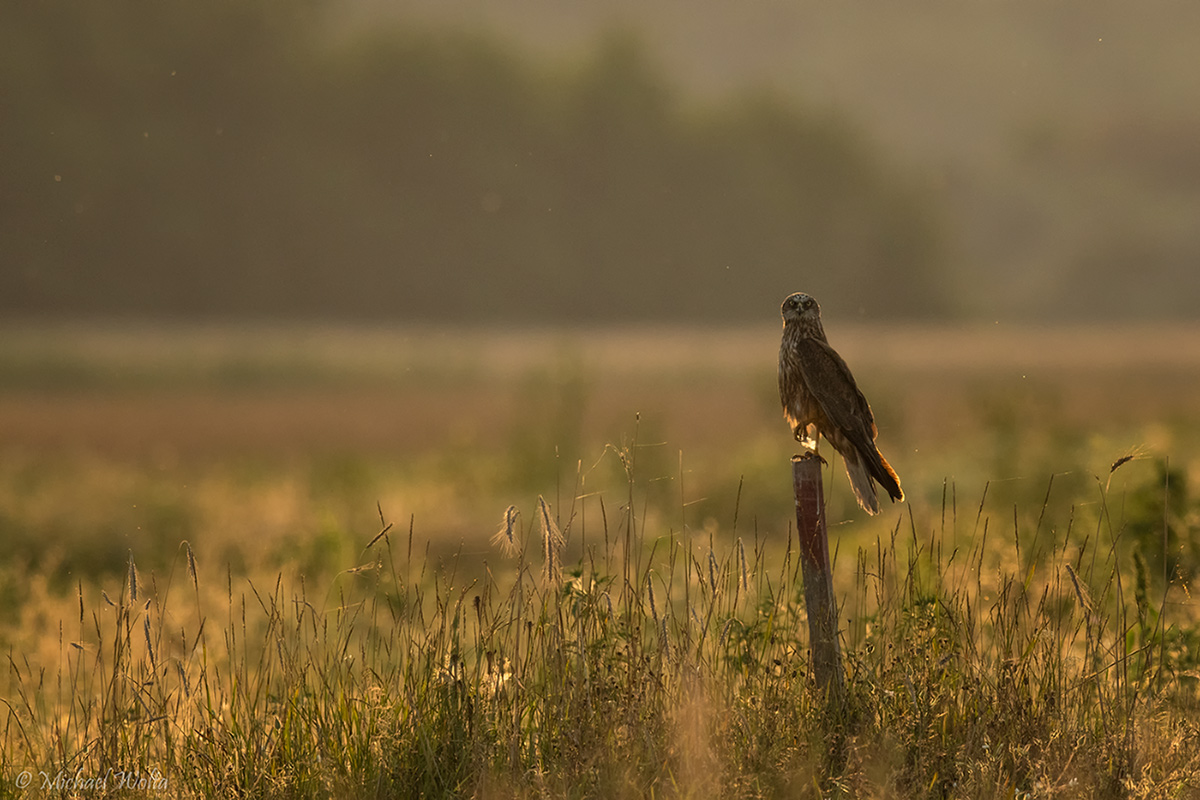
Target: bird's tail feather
{"x":882,"y":471}
{"x":861,"y":483}
{"x":864,"y":472}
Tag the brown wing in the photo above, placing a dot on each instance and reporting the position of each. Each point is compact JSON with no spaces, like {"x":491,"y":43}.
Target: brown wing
{"x":830,"y":383}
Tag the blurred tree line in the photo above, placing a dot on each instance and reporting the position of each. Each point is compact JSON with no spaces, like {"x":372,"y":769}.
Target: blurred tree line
{"x":236,"y":159}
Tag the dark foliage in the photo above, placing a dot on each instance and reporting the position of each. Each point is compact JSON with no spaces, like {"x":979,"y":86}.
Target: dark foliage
{"x":229,"y":160}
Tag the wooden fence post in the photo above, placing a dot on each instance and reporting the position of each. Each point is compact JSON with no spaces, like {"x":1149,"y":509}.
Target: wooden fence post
{"x":819,"y":601}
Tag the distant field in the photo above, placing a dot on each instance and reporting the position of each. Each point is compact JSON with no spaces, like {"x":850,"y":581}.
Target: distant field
{"x":523,"y":407}
{"x":268,"y":434}
{"x":122,"y":352}
{"x":278,"y":455}
{"x":203,"y":390}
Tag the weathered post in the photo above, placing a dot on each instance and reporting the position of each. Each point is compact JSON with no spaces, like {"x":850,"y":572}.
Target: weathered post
{"x":819,"y":601}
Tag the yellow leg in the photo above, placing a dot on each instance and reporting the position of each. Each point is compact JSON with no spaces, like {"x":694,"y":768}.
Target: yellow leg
{"x":809,"y":440}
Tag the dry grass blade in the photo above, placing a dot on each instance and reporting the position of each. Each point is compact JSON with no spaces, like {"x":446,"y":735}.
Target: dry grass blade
{"x":552,"y":543}
{"x":1081,"y":592}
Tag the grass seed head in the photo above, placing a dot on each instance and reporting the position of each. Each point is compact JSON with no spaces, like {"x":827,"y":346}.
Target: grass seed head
{"x":552,"y":542}
{"x":742,"y":562}
{"x":506,"y":537}
{"x":133,"y":580}
{"x":191,"y":562}
{"x":149,"y":643}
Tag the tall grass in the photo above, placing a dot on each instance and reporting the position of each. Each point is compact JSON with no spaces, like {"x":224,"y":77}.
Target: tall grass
{"x":593,"y":654}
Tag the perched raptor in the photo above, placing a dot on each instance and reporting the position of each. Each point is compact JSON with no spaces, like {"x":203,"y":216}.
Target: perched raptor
{"x":820,"y":398}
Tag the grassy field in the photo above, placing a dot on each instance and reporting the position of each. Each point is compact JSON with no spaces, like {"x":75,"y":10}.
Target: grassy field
{"x":281,"y":563}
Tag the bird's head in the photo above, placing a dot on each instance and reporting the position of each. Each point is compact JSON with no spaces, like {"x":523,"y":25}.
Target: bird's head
{"x":800,"y":307}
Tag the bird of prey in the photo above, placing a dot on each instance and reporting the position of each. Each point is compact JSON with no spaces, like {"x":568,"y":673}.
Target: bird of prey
{"x":820,"y":398}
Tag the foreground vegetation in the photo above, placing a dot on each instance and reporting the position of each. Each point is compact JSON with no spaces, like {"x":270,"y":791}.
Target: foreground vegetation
{"x":503,"y":619}
{"x":592,"y":656}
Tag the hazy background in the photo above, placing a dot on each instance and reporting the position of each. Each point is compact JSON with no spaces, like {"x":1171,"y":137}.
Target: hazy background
{"x":271,"y":270}
{"x":544,"y":163}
